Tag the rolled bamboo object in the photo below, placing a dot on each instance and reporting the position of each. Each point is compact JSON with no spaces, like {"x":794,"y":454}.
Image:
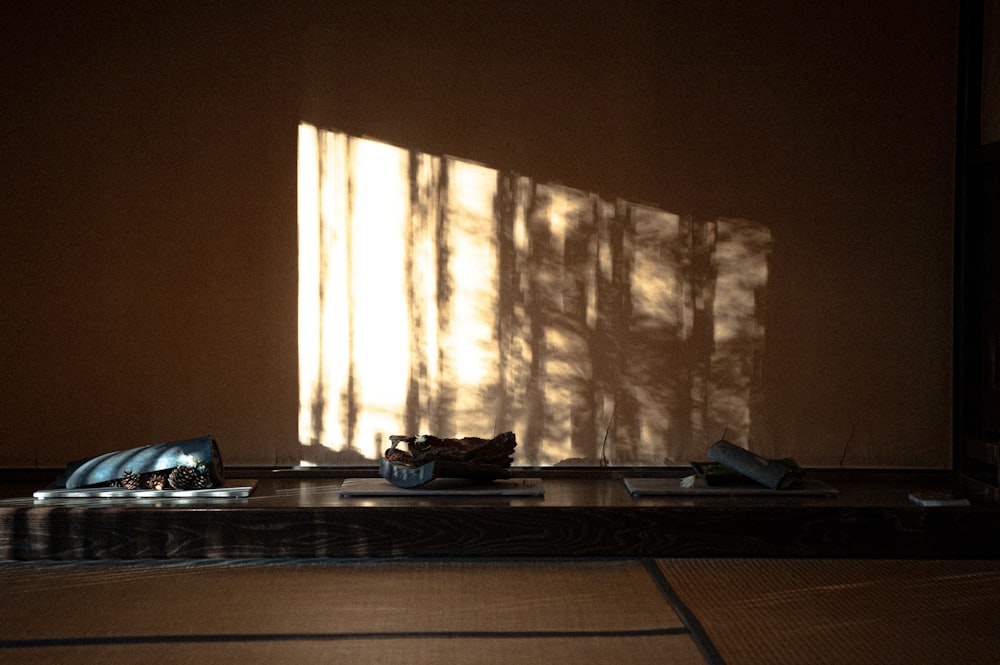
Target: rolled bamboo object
{"x":767,"y":472}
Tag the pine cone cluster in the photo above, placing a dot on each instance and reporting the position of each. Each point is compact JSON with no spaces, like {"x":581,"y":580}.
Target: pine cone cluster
{"x":190,"y":478}
{"x":131,"y":481}
{"x":156,"y":481}
{"x":194,"y":477}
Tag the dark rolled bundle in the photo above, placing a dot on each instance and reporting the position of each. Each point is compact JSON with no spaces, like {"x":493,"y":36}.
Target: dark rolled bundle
{"x":775,"y":474}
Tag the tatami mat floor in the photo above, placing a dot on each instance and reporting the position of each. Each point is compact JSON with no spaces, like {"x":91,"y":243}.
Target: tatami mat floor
{"x":505,"y":611}
{"x":844,"y":611}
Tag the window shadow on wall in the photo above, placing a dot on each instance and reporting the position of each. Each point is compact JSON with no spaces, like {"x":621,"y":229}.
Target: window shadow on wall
{"x":441,"y":296}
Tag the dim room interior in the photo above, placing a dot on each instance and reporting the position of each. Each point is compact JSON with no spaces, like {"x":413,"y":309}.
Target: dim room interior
{"x":622,"y":231}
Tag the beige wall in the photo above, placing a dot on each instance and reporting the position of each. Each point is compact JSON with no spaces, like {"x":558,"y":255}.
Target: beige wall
{"x":148,"y":200}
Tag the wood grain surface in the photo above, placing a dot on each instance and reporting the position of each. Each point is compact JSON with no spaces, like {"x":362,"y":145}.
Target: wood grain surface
{"x":296,"y":517}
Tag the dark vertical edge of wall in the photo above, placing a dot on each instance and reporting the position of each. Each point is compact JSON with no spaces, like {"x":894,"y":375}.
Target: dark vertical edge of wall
{"x":968,"y":220}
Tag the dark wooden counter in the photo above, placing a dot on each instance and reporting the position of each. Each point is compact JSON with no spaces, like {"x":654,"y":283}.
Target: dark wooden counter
{"x":301,"y":514}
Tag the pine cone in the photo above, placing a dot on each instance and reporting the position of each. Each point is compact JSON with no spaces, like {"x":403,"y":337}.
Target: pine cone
{"x":156,"y":481}
{"x":190,"y":478}
{"x":131,"y":481}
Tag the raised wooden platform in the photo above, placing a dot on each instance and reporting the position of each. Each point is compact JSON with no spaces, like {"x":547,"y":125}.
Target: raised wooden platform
{"x":295,"y":513}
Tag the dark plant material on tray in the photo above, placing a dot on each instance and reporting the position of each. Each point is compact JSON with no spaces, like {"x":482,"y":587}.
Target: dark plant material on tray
{"x":427,"y":457}
{"x":498,"y":451}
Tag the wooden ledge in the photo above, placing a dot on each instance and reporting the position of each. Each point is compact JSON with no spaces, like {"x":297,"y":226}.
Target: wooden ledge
{"x":583,"y":513}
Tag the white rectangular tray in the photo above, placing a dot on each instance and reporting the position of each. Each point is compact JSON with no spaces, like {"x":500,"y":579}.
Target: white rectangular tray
{"x":122,"y":493}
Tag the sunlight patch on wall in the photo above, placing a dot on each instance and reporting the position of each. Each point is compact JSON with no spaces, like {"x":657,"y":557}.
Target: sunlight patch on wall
{"x":437,"y":295}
